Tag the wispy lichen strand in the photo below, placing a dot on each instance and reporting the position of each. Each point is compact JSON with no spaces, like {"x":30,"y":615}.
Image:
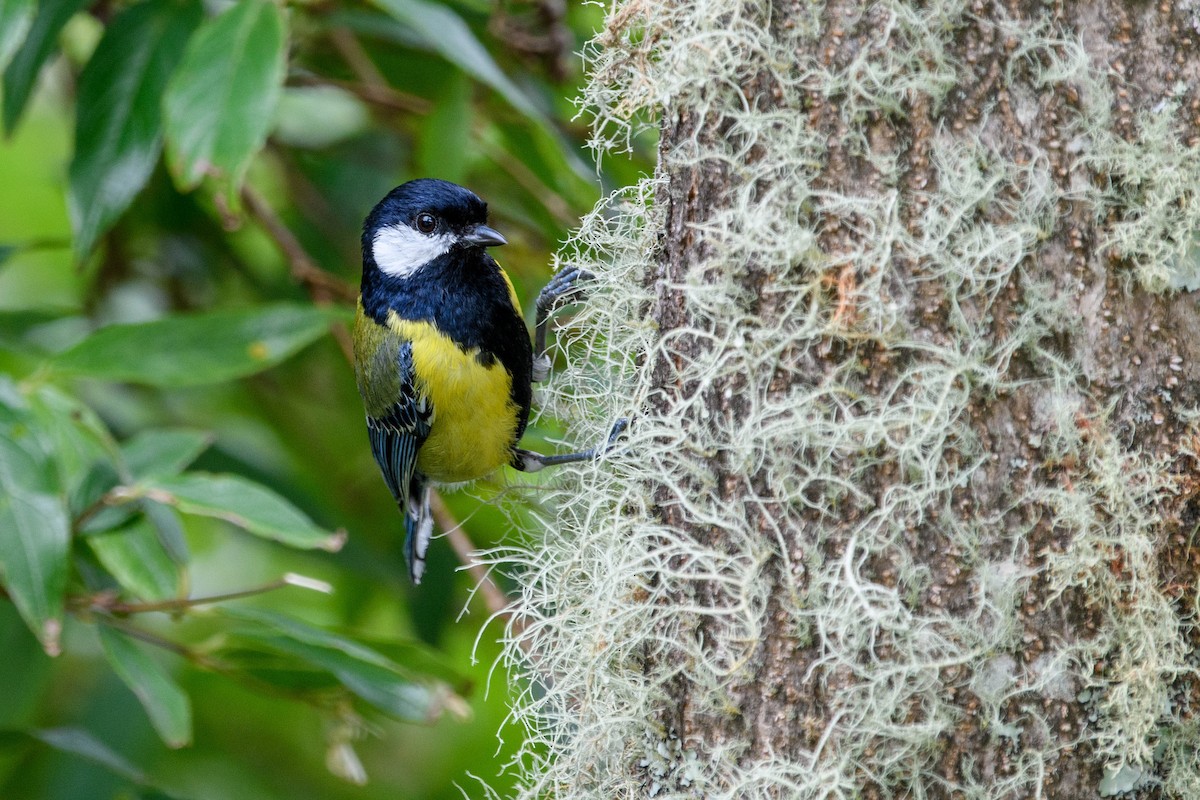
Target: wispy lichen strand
{"x":854,"y":433}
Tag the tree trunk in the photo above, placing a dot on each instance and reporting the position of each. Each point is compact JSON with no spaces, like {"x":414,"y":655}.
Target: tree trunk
{"x":909,"y":503}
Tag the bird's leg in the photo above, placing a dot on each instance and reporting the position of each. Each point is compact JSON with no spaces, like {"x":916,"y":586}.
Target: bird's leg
{"x":529,"y":461}
{"x":563,"y":286}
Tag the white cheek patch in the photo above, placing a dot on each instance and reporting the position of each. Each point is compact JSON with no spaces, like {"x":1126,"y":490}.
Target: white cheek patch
{"x":400,"y":251}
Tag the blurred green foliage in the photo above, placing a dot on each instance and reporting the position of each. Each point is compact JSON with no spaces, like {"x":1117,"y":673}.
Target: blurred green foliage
{"x":202,"y":590}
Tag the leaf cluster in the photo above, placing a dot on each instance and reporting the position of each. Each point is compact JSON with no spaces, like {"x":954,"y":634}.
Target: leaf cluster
{"x":180,"y":441}
{"x":92,"y":528}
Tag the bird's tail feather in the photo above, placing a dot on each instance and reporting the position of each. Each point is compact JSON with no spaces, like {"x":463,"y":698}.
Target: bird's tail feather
{"x":418,"y":528}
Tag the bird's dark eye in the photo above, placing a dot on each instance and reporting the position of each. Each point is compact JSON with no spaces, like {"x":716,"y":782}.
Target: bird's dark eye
{"x":426,"y":223}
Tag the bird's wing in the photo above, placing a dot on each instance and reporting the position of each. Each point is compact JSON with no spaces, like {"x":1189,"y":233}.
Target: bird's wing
{"x":396,"y":436}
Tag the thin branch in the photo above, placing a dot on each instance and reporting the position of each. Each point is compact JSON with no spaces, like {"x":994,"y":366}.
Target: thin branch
{"x":378,"y":95}
{"x":373,"y":86}
{"x":103,"y":603}
{"x":323,"y":287}
{"x":553,"y":47}
{"x":493,"y":597}
{"x":356,"y":56}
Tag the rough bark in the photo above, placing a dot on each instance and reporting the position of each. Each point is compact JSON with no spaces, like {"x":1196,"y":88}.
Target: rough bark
{"x":1136,"y":352}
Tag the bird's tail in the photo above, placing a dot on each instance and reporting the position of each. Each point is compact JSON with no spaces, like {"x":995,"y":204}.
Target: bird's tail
{"x":418,"y":527}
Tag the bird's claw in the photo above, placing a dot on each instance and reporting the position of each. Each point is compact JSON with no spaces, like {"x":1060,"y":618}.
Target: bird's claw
{"x":565,"y":285}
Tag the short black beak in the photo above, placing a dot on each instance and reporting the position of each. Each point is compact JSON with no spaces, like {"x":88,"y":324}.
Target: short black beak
{"x":483,"y":236}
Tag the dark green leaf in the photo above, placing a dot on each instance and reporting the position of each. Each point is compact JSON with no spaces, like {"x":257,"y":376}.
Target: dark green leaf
{"x":221,"y":101}
{"x":34,"y":542}
{"x":169,"y":529}
{"x":118,"y":128}
{"x":22,"y":73}
{"x":80,"y":743}
{"x":370,"y":675}
{"x":246,"y":504}
{"x":163,"y":451}
{"x":166,"y":704}
{"x":417,"y":657}
{"x":385,"y":689}
{"x":447,"y":135}
{"x":196,"y":349}
{"x":134,"y":555}
{"x":280,"y":670}
{"x":19,"y":328}
{"x":444,"y":32}
{"x":106,"y":515}
{"x":82,"y":449}
{"x":26,"y":672}
{"x":16,"y":16}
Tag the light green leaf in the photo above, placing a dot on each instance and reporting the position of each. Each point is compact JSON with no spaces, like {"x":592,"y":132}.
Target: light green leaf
{"x":368,"y":674}
{"x":118,"y":127}
{"x":34,"y":542}
{"x":248,"y":505}
{"x":135,"y":556}
{"x":166,"y":704}
{"x":22,"y":71}
{"x":221,"y":102}
{"x":319,"y":116}
{"x":163,"y":451}
{"x":444,"y":32}
{"x":16,"y":17}
{"x":196,"y":349}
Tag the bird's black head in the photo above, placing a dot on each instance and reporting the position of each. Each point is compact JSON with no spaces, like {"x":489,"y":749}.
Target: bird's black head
{"x":420,"y":221}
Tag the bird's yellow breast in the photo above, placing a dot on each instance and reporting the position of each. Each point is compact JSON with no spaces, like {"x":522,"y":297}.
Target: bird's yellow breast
{"x":474,"y":422}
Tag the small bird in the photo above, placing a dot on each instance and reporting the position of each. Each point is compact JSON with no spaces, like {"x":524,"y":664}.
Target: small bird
{"x":442,"y":356}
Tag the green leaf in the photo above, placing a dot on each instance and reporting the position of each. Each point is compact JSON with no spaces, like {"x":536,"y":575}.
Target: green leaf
{"x":22,"y":73}
{"x":188,"y":350}
{"x":166,"y":704}
{"x":80,"y":743}
{"x":82,"y":449}
{"x":318,"y":116}
{"x":16,"y":16}
{"x":169,"y":529}
{"x":368,"y":674}
{"x":445,"y":32}
{"x":446,"y":139}
{"x":282,"y":671}
{"x":248,"y":505}
{"x":221,"y":102}
{"x":20,"y":328}
{"x":34,"y":542}
{"x":163,"y":451}
{"x":135,"y":556}
{"x":118,"y":128}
